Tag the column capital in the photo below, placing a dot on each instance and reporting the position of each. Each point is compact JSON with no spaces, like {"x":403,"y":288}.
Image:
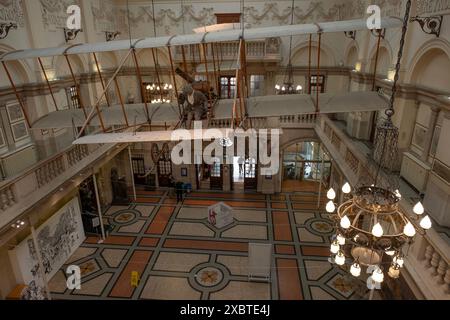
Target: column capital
{"x":435,"y":110}
{"x":446,"y":113}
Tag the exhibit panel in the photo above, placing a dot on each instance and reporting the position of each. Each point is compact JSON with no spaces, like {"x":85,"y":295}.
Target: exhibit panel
{"x":56,"y":240}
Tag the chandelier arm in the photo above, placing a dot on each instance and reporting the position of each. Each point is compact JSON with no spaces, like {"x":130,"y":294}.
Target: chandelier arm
{"x":356,"y":218}
{"x":393,"y":223}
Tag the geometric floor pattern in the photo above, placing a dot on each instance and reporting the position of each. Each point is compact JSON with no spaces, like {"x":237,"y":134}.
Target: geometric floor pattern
{"x":180,"y":256}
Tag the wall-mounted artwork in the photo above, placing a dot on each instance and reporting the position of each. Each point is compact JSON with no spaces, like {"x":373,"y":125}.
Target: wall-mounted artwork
{"x":184,"y":172}
{"x":419,"y":136}
{"x":19,"y":130}
{"x":2,"y":138}
{"x":57,"y":239}
{"x":14,"y":112}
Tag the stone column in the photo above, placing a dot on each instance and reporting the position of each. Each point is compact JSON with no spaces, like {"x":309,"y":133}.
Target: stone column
{"x":430,"y":133}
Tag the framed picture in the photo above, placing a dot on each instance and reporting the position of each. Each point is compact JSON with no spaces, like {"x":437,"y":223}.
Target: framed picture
{"x":184,"y":172}
{"x":2,"y":138}
{"x":14,"y":113}
{"x":19,"y":130}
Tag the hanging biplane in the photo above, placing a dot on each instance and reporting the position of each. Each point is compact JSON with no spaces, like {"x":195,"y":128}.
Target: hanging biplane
{"x":129,"y":115}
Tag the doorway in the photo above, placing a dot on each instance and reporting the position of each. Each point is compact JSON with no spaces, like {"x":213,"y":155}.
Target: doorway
{"x":237,"y":176}
{"x":305,"y":167}
{"x":89,"y":210}
{"x":216,"y":179}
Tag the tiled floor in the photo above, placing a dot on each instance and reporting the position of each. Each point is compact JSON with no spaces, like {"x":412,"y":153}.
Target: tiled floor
{"x":179,"y":255}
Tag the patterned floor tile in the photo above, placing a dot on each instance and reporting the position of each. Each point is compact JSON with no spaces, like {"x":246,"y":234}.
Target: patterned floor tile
{"x":145,"y":211}
{"x":191,"y":229}
{"x":81,"y":253}
{"x":95,"y":286}
{"x":169,"y":288}
{"x":305,"y":236}
{"x":113,"y":257}
{"x":181,"y":262}
{"x":316,"y":269}
{"x":250,"y":215}
{"x":246,"y":232}
{"x":320,"y":294}
{"x":178,"y":256}
{"x":237,"y":265}
{"x":58,"y":282}
{"x":133,"y":228}
{"x":302,"y":217}
{"x":238,"y":290}
{"x":193,"y":213}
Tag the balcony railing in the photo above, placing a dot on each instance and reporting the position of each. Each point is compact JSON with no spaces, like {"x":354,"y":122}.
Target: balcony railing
{"x":257,"y":49}
{"x":427,"y":262}
{"x":18,"y":194}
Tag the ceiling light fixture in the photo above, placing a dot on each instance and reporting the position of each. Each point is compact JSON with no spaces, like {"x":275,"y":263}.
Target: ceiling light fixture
{"x":18,"y":224}
{"x":288,"y":87}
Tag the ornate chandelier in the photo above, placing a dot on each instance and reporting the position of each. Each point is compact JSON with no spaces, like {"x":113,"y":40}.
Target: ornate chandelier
{"x":159,"y":92}
{"x":372,"y":229}
{"x":288,"y":86}
{"x":371,"y":226}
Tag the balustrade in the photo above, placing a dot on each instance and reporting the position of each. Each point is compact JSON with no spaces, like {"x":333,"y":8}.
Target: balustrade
{"x":428,"y":259}
{"x":223,"y":51}
{"x":436,"y":266}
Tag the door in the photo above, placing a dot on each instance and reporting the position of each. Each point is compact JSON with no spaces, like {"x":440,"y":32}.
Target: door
{"x":138,"y":170}
{"x":216,"y":180}
{"x":164,"y":167}
{"x":250,"y":177}
{"x":164,"y":172}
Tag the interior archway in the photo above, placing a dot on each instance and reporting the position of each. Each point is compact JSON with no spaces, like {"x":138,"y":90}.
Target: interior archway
{"x":431,"y":70}
{"x":352,"y":57}
{"x":304,"y":165}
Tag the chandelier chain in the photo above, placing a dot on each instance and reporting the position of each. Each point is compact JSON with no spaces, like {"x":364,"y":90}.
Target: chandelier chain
{"x":390,"y":112}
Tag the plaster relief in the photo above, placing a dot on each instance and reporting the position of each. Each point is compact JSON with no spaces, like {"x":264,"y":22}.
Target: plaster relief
{"x":104,"y":16}
{"x":12,"y":11}
{"x":54,"y":13}
{"x":433,"y":6}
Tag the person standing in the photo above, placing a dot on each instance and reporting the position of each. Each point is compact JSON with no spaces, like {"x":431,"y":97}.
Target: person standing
{"x":179,"y":186}
{"x":241,"y":166}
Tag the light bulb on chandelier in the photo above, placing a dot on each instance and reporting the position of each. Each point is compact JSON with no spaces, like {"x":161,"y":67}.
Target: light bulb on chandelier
{"x":330,"y":207}
{"x":377,"y":230}
{"x":335,"y":247}
{"x":340,"y":258}
{"x":398,"y":260}
{"x":355,"y":269}
{"x":409,"y":230}
{"x":345,"y":222}
{"x":346,"y":188}
{"x":341,"y":239}
{"x":331,"y":194}
{"x":425,"y":223}
{"x":418,"y":208}
{"x":378,"y":275}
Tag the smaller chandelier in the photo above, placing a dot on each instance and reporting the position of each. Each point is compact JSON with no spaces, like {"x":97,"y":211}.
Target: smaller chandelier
{"x":225,"y":142}
{"x":372,"y":230}
{"x":288,"y":87}
{"x":158,"y":93}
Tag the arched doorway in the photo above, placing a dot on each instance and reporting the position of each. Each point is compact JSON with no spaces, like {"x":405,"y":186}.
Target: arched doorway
{"x":305,"y":167}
